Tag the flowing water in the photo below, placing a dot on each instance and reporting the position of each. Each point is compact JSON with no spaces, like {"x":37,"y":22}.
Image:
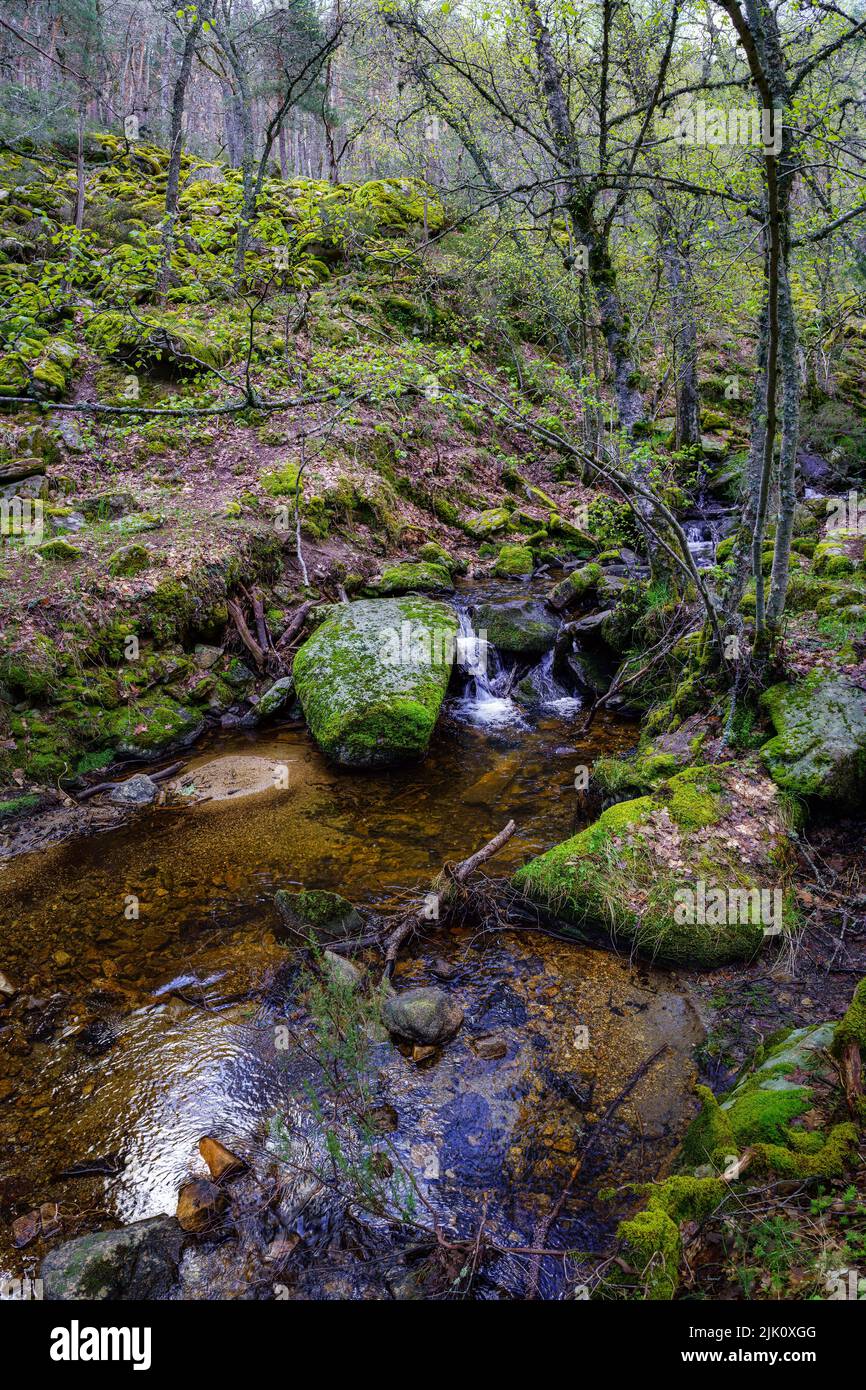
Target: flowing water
{"x":149,"y":961}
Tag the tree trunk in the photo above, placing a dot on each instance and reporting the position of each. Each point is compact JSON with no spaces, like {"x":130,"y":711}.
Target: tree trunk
{"x":172,"y":191}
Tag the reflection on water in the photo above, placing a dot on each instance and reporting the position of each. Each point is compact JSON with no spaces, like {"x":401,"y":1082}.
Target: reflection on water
{"x":165,"y":933}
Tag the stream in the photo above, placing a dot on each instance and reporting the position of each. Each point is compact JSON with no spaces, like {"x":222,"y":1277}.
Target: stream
{"x":150,"y":964}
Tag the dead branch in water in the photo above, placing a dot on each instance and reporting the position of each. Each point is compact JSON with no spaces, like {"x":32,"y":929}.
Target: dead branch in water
{"x":544,"y":1226}
{"x":443,"y":889}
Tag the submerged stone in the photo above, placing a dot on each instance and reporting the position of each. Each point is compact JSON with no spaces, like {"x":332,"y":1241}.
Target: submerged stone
{"x":372,"y":678}
{"x":427,"y":1016}
{"x":139,"y":1261}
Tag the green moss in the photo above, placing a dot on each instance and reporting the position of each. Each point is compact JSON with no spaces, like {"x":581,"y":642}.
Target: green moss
{"x":514,"y":561}
{"x":370,"y":697}
{"x":651,"y":1239}
{"x":615,"y":876}
{"x":129,"y":560}
{"x":576,"y":587}
{"x":281,"y":482}
{"x":59,"y":551}
{"x":407,"y":578}
{"x":852,"y":1027}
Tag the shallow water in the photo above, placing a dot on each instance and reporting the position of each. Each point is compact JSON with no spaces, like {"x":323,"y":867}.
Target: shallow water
{"x":184,"y":989}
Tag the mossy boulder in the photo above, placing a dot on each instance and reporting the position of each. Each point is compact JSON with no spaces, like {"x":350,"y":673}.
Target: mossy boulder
{"x":838,"y":553}
{"x":410,"y":577}
{"x":59,"y":551}
{"x":696,"y":872}
{"x":319,"y":915}
{"x":159,"y":344}
{"x":276,"y":698}
{"x":765,"y":1110}
{"x":486,"y":523}
{"x":577,"y":589}
{"x":514,"y":562}
{"x":820,"y":745}
{"x":129,"y":561}
{"x":151,"y":727}
{"x":372,"y":678}
{"x":521,"y":628}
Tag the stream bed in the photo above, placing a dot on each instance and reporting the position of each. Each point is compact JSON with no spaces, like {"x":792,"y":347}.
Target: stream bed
{"x":148,"y":959}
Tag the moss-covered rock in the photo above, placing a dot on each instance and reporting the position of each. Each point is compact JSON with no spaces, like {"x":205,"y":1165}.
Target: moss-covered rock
{"x":159,"y":343}
{"x":517,"y":627}
{"x":423,"y":577}
{"x":696,"y":872}
{"x":514,"y":562}
{"x":129,"y":561}
{"x":486,"y":523}
{"x":761,"y":1113}
{"x":319,"y":915}
{"x":577,"y":589}
{"x":820,"y":745}
{"x":838,"y":553}
{"x":372,"y":678}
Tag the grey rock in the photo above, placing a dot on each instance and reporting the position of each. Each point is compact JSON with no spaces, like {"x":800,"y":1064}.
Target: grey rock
{"x":139,"y":790}
{"x":427,"y":1016}
{"x":139,"y":1261}
{"x":275,"y":698}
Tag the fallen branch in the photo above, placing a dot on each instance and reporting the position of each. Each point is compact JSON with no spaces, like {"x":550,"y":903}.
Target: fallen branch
{"x":443,"y":889}
{"x":293,"y":627}
{"x":245,"y":635}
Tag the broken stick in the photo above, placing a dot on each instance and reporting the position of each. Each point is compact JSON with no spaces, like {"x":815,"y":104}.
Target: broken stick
{"x":442,"y":889}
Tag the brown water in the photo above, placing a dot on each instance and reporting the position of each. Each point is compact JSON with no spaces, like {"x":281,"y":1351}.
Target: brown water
{"x":181,"y":1001}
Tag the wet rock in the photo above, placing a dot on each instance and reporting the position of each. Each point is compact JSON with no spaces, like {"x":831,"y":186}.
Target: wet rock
{"x":200,"y":1205}
{"x":25,"y":1229}
{"x":275,"y":698}
{"x":324,"y":916}
{"x":820,"y":745}
{"x":138,"y":1262}
{"x":341,"y":971}
{"x":577,"y":589}
{"x":427,"y":1016}
{"x":139,"y":790}
{"x":372,"y":678}
{"x":519,"y":627}
{"x":423,"y":577}
{"x":95,"y":1038}
{"x":221,"y":1162}
{"x":489,"y":1047}
{"x":7,"y":989}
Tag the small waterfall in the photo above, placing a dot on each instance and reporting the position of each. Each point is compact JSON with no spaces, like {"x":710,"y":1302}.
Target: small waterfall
{"x":550,"y":694}
{"x":485,"y":699}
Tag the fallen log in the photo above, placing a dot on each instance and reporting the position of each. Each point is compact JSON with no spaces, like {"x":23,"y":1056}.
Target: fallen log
{"x":240,"y":622}
{"x":443,"y":889}
{"x":293,"y":627}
